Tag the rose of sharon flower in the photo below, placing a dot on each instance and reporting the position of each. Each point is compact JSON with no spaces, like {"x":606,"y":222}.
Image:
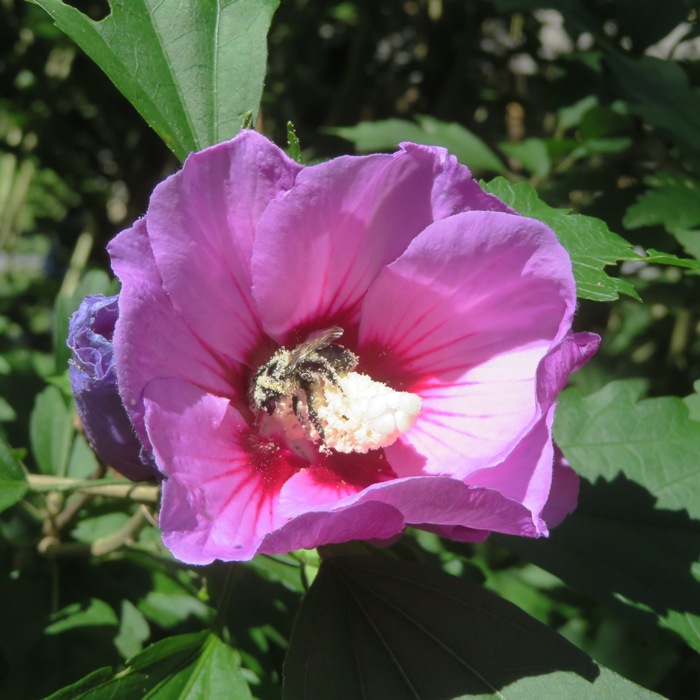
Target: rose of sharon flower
{"x":93,"y":380}
{"x":326,"y":353}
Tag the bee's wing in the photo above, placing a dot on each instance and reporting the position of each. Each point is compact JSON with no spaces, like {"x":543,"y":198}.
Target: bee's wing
{"x":314,"y":342}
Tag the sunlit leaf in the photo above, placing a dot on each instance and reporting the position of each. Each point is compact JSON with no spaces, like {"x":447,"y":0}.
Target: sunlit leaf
{"x":591,"y":245}
{"x":372,"y":628}
{"x":636,"y":533}
{"x":673,"y":201}
{"x":192,"y":69}
{"x":133,"y":630}
{"x":94,"y":613}
{"x":51,"y":431}
{"x":387,"y":134}
{"x":532,"y":154}
{"x":177,"y":668}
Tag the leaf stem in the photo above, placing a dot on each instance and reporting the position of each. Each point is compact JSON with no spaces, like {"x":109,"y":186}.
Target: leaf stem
{"x":111,"y":488}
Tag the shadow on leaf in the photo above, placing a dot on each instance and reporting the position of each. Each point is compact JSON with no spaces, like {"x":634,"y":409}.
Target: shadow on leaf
{"x":380,"y":628}
{"x":618,"y":543}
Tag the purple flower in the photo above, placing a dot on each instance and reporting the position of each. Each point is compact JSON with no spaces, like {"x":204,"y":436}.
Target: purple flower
{"x":93,"y":380}
{"x":334,"y":352}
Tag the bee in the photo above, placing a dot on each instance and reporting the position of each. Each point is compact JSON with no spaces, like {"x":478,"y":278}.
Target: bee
{"x":296,"y":373}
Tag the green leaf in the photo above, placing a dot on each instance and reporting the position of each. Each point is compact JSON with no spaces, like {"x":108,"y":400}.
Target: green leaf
{"x":462,"y":143}
{"x":133,"y":630}
{"x":380,"y":628}
{"x":94,"y":613}
{"x":674,"y":202}
{"x":572,"y":115}
{"x":92,"y":528}
{"x":381,"y":135}
{"x":192,"y":69}
{"x":7,"y":413}
{"x":182,"y":667}
{"x":660,"y":93}
{"x":82,"y":462}
{"x":13,"y":482}
{"x":591,"y":245}
{"x":532,"y":154}
{"x":635,"y":536}
{"x":660,"y":258}
{"x":51,"y":432}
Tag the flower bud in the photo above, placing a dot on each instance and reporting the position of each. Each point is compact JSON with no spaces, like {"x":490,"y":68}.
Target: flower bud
{"x":93,"y":380}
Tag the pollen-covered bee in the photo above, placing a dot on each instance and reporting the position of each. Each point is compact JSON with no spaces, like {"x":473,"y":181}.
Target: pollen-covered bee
{"x":297,"y":372}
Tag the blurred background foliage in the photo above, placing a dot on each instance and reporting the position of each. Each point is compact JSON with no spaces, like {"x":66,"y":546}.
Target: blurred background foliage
{"x":595,"y":103}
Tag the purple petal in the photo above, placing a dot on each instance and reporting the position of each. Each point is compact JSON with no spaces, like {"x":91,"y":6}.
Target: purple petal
{"x":454,"y":189}
{"x":202,"y":223}
{"x":525,"y":475}
{"x":463,"y":318}
{"x":93,"y":381}
{"x":337,"y":478}
{"x":320,"y":246}
{"x":151,"y":339}
{"x":221,"y":495}
{"x":563,"y":495}
{"x":572,"y":353}
{"x":367,"y":521}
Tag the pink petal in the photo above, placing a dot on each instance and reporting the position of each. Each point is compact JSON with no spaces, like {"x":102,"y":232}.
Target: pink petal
{"x":367,"y":521}
{"x":320,"y":246}
{"x":464,"y":318}
{"x":572,"y":353}
{"x":151,"y":339}
{"x":526,"y":474}
{"x":221,"y":495}
{"x":442,"y":501}
{"x":202,"y":223}
{"x":455,"y":190}
{"x":335,"y":478}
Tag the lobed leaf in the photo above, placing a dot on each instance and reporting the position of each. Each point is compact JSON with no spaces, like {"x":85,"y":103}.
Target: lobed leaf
{"x":192,"y":69}
{"x":673,"y":201}
{"x":380,"y":628}
{"x":590,"y":243}
{"x":635,"y":536}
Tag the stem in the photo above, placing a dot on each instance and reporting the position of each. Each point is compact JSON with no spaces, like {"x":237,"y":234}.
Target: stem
{"x":111,"y":488}
{"x":51,"y":547}
{"x":231,"y":575}
{"x":127,"y":535}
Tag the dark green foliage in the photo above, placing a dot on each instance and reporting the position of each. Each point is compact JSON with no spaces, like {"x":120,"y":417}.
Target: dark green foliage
{"x":586,"y":120}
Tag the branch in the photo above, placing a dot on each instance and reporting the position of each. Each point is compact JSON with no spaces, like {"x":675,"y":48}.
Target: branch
{"x":111,"y":488}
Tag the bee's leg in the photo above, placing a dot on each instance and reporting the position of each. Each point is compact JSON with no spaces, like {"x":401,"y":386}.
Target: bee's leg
{"x":295,"y":405}
{"x":313,"y":416}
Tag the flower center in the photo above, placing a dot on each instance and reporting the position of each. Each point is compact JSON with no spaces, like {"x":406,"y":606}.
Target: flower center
{"x":312,"y":394}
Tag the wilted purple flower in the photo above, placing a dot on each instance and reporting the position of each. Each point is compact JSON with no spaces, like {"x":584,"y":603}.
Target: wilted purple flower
{"x":93,"y":380}
{"x":334,"y":352}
